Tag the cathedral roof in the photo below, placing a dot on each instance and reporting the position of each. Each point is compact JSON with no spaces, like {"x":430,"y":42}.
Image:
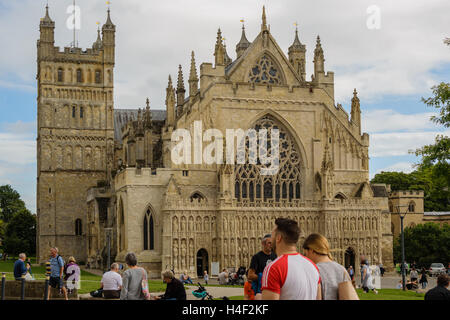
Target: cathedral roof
{"x":122,"y":116}
{"x":379,"y":191}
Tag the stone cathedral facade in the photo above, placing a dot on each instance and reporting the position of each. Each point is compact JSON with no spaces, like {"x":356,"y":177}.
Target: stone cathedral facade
{"x":106,"y":179}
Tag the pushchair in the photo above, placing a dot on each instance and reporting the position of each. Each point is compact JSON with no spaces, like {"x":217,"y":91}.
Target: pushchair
{"x":202,"y":294}
{"x":237,"y":278}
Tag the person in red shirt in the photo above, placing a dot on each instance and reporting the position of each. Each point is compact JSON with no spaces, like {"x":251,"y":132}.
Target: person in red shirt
{"x":291,"y":276}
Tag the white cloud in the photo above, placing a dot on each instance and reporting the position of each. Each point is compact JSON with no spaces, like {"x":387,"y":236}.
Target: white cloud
{"x":390,"y":120}
{"x":406,"y":167}
{"x":400,"y":143}
{"x":153,"y":38}
{"x":17,"y":143}
{"x":18,"y":159}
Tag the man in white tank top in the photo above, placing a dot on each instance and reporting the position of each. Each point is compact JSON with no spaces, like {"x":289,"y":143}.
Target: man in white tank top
{"x":291,"y":276}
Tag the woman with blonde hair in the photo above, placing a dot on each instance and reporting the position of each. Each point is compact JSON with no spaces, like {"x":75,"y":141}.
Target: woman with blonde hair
{"x":335,"y":280}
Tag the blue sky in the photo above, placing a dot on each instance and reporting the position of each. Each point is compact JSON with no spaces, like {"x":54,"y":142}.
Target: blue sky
{"x":392,"y":67}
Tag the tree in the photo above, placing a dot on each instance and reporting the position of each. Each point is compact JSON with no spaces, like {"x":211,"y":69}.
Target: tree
{"x":10,"y":203}
{"x":436,"y":156}
{"x":426,"y":178}
{"x":20,"y":234}
{"x":424,"y":244}
{"x":397,"y":180}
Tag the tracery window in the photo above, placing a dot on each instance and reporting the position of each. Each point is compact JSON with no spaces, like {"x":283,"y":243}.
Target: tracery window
{"x":265,"y":71}
{"x":149,"y":236}
{"x":285,"y":184}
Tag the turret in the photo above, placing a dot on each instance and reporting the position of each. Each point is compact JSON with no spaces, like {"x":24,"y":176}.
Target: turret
{"x":297,"y":52}
{"x":356,"y":111}
{"x":147,"y":116}
{"x":264,"y":20}
{"x":109,"y":44}
{"x":219,"y":52}
{"x":227,"y":59}
{"x":319,"y":60}
{"x":243,"y":43}
{"x":180,"y":91}
{"x":98,"y":44}
{"x":47,"y":35}
{"x":170,"y":104}
{"x":148,"y":136}
{"x":193,"y":78}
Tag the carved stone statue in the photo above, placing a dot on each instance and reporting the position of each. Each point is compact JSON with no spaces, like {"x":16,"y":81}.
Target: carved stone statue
{"x":191,"y":224}
{"x":175,"y":255}
{"x":183,"y":254}
{"x":225,"y":224}
{"x":175,"y":224}
{"x":191,"y":253}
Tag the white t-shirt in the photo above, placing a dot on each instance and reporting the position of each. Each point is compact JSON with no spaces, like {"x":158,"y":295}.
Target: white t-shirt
{"x":111,"y":280}
{"x":293,"y":277}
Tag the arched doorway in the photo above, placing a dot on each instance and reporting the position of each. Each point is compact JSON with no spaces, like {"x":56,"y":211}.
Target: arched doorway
{"x":202,"y":262}
{"x":350,"y":258}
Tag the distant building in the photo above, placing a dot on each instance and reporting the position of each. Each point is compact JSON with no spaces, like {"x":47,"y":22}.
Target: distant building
{"x":411,"y":202}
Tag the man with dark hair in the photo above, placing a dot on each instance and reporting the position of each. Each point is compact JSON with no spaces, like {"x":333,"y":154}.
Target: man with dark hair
{"x":291,"y":276}
{"x":259,"y":262}
{"x":440,"y":292}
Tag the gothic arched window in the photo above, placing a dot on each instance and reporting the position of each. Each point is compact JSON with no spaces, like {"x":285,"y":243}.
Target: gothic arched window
{"x":265,"y":71}
{"x":284,"y":184}
{"x":78,"y":227}
{"x":149,"y":235}
{"x":60,"y":75}
{"x":79,"y":76}
{"x":196,"y":197}
{"x":412,"y":207}
{"x":97,"y":76}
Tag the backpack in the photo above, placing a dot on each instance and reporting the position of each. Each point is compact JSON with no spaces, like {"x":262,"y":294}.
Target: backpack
{"x":144,"y":285}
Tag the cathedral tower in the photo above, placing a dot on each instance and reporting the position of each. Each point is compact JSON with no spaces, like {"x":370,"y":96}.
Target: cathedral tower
{"x":75,"y":137}
{"x":297,"y":52}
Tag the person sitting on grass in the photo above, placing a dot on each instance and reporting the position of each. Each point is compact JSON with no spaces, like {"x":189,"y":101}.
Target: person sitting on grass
{"x":185,"y":279}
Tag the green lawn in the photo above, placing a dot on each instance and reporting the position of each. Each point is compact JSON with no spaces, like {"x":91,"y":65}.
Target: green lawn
{"x":390,"y":294}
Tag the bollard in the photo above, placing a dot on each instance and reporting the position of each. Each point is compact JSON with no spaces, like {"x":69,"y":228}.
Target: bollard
{"x":47,"y":280}
{"x":22,"y":290}
{"x":3,"y":285}
{"x":48,"y":268}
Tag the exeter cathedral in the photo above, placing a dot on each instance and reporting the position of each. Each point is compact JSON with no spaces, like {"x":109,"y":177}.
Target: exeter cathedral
{"x":106,"y":181}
